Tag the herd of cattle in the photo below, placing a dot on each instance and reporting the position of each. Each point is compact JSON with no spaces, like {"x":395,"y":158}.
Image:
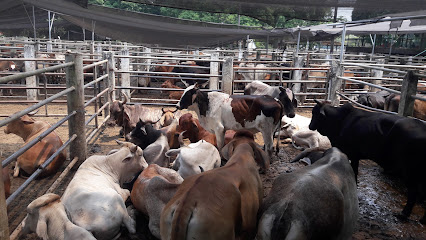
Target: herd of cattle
{"x":211,"y":188}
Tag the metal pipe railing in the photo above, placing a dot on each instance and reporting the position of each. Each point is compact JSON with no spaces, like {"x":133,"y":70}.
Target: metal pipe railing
{"x":35,"y":106}
{"x":38,"y":171}
{"x":370,"y":84}
{"x":36,"y":72}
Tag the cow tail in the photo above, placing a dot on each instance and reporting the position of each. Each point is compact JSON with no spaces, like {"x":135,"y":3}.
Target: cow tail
{"x":180,"y":222}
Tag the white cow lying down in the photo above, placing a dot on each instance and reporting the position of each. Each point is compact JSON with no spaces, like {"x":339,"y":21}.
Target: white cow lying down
{"x":195,"y":158}
{"x":302,"y":137}
{"x":46,"y":216}
{"x":94,"y":198}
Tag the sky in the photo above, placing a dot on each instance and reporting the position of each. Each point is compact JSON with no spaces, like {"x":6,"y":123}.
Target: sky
{"x":345,"y":12}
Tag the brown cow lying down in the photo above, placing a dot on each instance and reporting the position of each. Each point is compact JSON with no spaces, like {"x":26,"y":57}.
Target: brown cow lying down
{"x":419,"y":111}
{"x":29,"y":129}
{"x":316,"y":202}
{"x":152,"y":190}
{"x":194,"y":131}
{"x":221,"y":203}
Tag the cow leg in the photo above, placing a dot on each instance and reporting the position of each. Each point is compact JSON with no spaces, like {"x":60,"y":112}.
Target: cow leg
{"x":268,"y":139}
{"x":220,"y":136}
{"x":411,"y":200}
{"x":16,"y":170}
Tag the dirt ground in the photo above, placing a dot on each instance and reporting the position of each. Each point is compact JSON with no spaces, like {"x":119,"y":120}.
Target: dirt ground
{"x":380,"y":197}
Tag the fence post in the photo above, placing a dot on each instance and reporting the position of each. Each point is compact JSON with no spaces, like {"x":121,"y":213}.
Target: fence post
{"x":406,"y":105}
{"x":214,"y":70}
{"x":75,"y":102}
{"x":145,"y":81}
{"x":29,"y":52}
{"x":377,"y":74}
{"x":297,"y":75}
{"x":111,"y":74}
{"x":334,"y":83}
{"x":227,"y":75}
{"x":99,"y":50}
{"x":4,"y":225}
{"x":124,"y":66}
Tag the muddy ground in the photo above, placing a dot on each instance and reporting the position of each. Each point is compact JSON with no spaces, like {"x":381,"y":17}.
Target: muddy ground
{"x":380,"y":197}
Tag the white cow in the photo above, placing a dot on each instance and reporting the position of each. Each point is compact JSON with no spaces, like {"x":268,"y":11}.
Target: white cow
{"x":47,"y":217}
{"x":297,"y":129}
{"x":195,"y":158}
{"x":94,"y":198}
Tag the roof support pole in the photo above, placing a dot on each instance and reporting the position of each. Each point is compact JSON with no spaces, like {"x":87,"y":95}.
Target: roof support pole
{"x":298,"y":42}
{"x":34,"y":25}
{"x":373,"y":42}
{"x":240,"y":50}
{"x":342,"y":44}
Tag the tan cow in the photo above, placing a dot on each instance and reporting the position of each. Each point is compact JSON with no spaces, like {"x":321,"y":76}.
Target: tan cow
{"x":29,"y":129}
{"x":152,"y":190}
{"x":221,"y":203}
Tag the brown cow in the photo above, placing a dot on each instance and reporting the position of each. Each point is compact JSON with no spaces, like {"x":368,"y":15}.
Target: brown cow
{"x":152,"y":190}
{"x":392,"y":104}
{"x":29,"y":129}
{"x":6,"y":181}
{"x":194,"y":131}
{"x":172,"y":94}
{"x":221,"y":203}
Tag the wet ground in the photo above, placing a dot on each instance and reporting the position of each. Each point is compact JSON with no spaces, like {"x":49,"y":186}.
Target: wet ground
{"x":381,"y":197}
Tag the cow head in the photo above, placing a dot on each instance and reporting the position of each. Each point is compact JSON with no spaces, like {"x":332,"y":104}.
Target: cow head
{"x":22,"y":126}
{"x":242,"y":137}
{"x":288,"y":100}
{"x":143,"y":134}
{"x":327,"y":119}
{"x":191,"y":96}
{"x":128,"y":161}
{"x":318,"y":115}
{"x":117,"y":110}
{"x":167,"y":117}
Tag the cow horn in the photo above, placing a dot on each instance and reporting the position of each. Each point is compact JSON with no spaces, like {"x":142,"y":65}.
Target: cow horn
{"x":33,"y":112}
{"x":180,"y":139}
{"x":126,"y":98}
{"x":133,"y":148}
{"x":162,"y":109}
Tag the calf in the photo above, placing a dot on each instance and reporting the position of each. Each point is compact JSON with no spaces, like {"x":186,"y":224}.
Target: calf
{"x":392,"y":104}
{"x":154,"y":143}
{"x":194,"y":131}
{"x":152,"y":190}
{"x":394,"y":142}
{"x":374,"y":100}
{"x":29,"y":129}
{"x":172,"y":94}
{"x":195,"y":158}
{"x":94,"y":198}
{"x":221,"y":203}
{"x":219,"y":112}
{"x":297,"y":129}
{"x":47,"y":217}
{"x":316,"y":202}
{"x":6,"y":182}
{"x":284,"y":95}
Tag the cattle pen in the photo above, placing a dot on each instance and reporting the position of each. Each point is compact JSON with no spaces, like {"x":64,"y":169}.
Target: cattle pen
{"x":74,"y":84}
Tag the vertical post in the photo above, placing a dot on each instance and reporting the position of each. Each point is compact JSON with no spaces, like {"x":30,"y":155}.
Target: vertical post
{"x":145,"y":81}
{"x":111,"y":74}
{"x":34,"y":26}
{"x":334,"y":83}
{"x":124,"y":66}
{"x":227,"y":75}
{"x":297,"y":74}
{"x":99,"y":50}
{"x":240,"y":50}
{"x":214,"y":70}
{"x":298,"y":42}
{"x":75,"y":102}
{"x":29,"y":52}
{"x":342,"y":44}
{"x":4,"y":225}
{"x":373,"y":43}
{"x":377,"y":74}
{"x":406,"y":105}
{"x":49,"y":43}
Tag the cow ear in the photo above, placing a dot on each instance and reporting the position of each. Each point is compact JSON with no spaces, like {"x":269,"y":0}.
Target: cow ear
{"x":203,"y":85}
{"x":317,"y":101}
{"x":26,"y":119}
{"x":281,"y":89}
{"x":184,"y":82}
{"x":227,"y":150}
{"x":322,"y":111}
{"x":41,"y":229}
{"x":261,"y":158}
{"x":294,"y":101}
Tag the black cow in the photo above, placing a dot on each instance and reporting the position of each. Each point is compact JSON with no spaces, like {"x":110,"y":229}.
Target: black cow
{"x":394,"y":142}
{"x":374,"y":100}
{"x":153,"y":142}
